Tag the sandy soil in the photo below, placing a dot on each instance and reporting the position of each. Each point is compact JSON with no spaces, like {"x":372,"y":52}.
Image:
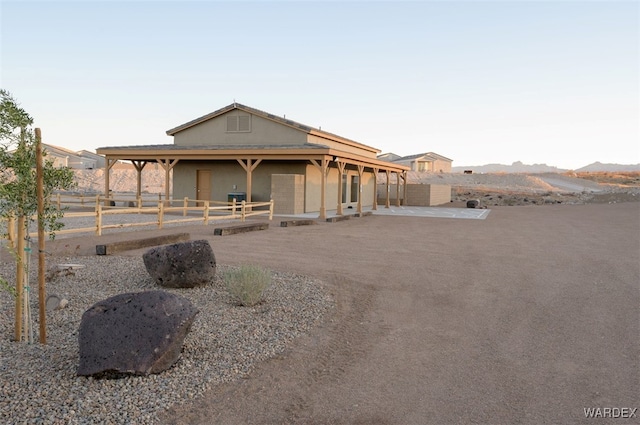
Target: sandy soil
{"x":529,"y":316}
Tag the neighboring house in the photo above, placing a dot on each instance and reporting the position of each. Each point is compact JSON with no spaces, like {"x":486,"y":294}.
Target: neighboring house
{"x":98,"y":160}
{"x":238,"y":151}
{"x":62,"y":157}
{"x":388,"y":157}
{"x":429,"y":161}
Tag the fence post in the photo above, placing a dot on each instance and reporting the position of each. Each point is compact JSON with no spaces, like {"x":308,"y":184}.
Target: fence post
{"x":99,"y":219}
{"x":233,"y":208}
{"x":271,"y":210}
{"x":160,"y":214}
{"x":206,"y":212}
{"x":243,"y":211}
{"x":184,"y":210}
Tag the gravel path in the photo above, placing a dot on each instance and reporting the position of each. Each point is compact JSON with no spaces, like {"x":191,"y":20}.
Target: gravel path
{"x":39,"y":384}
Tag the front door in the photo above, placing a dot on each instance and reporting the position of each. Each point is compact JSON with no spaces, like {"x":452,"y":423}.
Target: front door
{"x":203,"y":186}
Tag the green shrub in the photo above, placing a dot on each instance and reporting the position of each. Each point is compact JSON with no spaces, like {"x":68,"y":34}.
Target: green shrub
{"x":247,"y":283}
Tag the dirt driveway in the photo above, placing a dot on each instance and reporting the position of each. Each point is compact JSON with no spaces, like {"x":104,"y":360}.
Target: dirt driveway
{"x":529,"y":316}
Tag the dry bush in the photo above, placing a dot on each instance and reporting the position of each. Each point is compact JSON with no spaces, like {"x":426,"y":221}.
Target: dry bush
{"x":247,"y":283}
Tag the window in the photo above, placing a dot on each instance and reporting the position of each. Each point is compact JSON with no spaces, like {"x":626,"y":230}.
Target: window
{"x":239,"y":123}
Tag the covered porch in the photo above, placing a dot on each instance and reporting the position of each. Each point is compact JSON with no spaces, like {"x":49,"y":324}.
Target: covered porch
{"x":323,"y":159}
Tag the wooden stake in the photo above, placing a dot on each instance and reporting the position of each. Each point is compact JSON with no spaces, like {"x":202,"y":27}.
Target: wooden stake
{"x":42,"y":294}
{"x":19,"y":278}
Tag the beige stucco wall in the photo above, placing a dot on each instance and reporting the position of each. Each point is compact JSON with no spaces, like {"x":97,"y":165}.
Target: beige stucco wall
{"x":435,"y":166}
{"x":287,"y":193}
{"x":441,"y":166}
{"x":419,"y":195}
{"x":313,"y":185}
{"x":263,"y":131}
{"x":229,"y":176}
{"x":439,"y":194}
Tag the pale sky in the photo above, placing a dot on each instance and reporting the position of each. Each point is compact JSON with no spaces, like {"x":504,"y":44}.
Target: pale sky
{"x":553,"y":82}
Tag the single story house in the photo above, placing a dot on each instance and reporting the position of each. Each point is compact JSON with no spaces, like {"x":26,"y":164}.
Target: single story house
{"x":238,"y":151}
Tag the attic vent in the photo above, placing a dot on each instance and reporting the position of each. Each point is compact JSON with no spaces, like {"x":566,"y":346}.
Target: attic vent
{"x":239,"y":123}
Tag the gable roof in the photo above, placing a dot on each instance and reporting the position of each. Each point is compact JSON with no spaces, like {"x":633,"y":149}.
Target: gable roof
{"x":266,"y":115}
{"x":428,"y":155}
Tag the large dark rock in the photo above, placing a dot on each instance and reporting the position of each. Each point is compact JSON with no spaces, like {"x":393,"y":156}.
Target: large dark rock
{"x":181,"y":265}
{"x":137,"y":333}
{"x":474,"y":203}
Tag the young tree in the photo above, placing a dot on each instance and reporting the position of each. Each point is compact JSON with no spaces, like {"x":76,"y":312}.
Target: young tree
{"x":18,"y":183}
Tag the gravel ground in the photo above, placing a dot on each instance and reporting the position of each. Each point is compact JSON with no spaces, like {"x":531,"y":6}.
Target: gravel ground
{"x":39,"y":384}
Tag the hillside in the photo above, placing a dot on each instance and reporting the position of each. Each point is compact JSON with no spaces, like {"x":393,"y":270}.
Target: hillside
{"x":491,"y":188}
{"x":496,"y":189}
{"x":519,"y":167}
{"x":121,"y":179}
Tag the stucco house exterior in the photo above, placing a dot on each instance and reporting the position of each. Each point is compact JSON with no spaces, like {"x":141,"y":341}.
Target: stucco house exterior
{"x":82,"y":160}
{"x":247,"y":153}
{"x":429,"y":161}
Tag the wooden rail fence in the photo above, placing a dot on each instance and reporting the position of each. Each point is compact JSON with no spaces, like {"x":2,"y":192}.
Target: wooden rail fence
{"x":102,"y":207}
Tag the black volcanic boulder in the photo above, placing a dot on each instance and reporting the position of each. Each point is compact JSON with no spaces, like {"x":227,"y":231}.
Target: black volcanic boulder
{"x":474,"y":203}
{"x":134,"y":334}
{"x":181,"y":265}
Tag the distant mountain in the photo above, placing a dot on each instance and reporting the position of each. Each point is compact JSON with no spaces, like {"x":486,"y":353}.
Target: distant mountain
{"x":516,"y":167}
{"x":598,"y":166}
{"x":519,"y":167}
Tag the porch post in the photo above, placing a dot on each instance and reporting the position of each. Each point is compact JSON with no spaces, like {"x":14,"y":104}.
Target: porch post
{"x":249,"y":167}
{"x":387,"y":205}
{"x":323,"y":188}
{"x":404,"y":187}
{"x":397,"y":189}
{"x":341,"y":166}
{"x":323,"y":166}
{"x":168,"y":165}
{"x":139,"y":165}
{"x":360,"y":175}
{"x":107,"y":169}
{"x":375,"y":189}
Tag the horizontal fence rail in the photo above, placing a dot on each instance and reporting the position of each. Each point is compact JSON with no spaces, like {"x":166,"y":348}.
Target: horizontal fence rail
{"x":106,"y":215}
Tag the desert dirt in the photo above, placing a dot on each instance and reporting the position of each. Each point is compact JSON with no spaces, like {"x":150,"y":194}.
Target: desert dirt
{"x":529,"y":316}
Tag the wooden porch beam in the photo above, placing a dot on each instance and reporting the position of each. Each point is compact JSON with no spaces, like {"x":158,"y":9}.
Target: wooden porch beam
{"x":323,"y":166}
{"x":360,"y":175}
{"x":109,"y":163}
{"x":249,"y":166}
{"x":341,"y":166}
{"x":388,"y":172}
{"x":404,"y":187}
{"x":375,"y":188}
{"x":139,"y":165}
{"x":167,"y":165}
{"x":397,"y":189}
